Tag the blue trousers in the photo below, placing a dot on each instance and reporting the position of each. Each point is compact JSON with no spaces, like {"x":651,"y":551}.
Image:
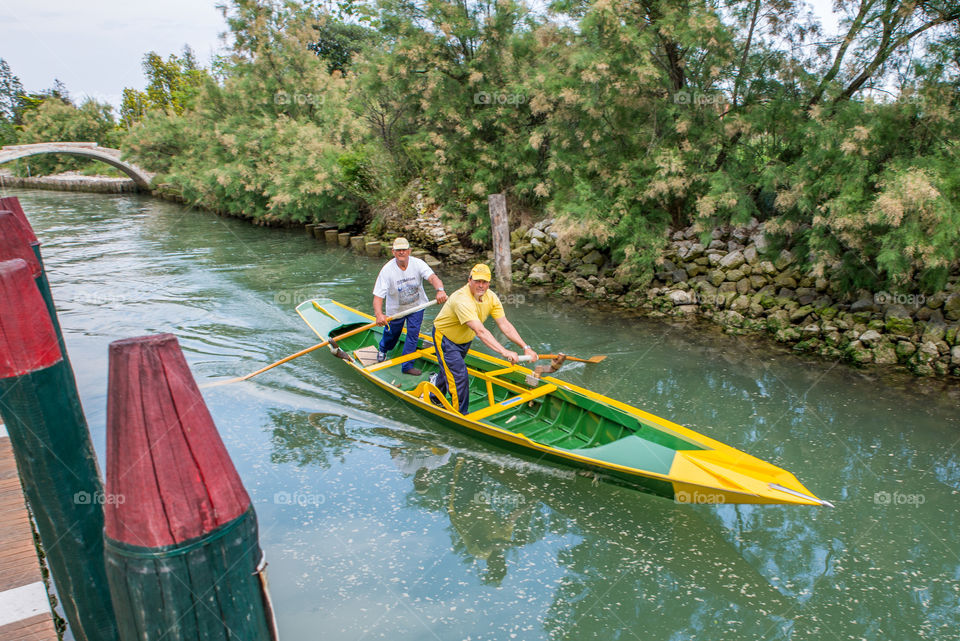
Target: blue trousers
{"x":453,"y":371}
{"x":391,"y":334}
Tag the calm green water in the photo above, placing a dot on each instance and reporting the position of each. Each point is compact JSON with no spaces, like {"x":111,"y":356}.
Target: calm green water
{"x":378,"y":523}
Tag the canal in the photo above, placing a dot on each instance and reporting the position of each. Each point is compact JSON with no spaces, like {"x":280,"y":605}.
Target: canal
{"x":378,"y":523}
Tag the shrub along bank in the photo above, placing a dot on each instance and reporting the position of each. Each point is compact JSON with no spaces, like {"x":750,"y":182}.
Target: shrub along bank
{"x":735,"y":277}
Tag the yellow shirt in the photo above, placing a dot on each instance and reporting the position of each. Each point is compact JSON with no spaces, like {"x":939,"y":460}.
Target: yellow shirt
{"x":461,"y":307}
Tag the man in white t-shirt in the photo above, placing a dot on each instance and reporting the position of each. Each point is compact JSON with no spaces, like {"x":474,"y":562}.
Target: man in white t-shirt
{"x":400,"y":284}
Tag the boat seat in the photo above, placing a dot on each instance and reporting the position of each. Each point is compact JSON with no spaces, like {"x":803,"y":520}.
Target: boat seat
{"x":368,"y":357}
{"x":496,"y":408}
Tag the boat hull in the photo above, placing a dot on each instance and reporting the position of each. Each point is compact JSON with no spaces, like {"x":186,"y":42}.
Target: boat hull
{"x":648,"y":453}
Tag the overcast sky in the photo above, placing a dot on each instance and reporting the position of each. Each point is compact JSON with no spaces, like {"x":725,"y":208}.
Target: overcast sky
{"x":95,"y":47}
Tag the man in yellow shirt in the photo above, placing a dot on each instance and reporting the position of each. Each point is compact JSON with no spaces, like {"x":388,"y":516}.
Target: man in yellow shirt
{"x":458,"y":323}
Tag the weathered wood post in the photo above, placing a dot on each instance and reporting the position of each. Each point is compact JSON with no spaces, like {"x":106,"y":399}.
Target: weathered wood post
{"x":500,"y":227}
{"x":41,"y":408}
{"x":183,"y":557}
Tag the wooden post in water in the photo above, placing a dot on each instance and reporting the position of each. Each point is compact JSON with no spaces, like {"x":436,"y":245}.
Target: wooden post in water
{"x":12,"y":204}
{"x":17,"y":240}
{"x":500,"y":227}
{"x":41,"y":408}
{"x":183,"y":557}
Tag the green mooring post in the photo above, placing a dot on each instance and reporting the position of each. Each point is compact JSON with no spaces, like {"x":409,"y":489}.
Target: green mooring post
{"x":41,"y":408}
{"x":183,"y":555}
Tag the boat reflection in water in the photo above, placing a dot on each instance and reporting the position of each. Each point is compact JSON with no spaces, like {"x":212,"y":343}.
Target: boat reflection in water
{"x":500,"y":508}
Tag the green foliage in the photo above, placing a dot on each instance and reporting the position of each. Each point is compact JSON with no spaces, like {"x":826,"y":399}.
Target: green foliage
{"x":337,"y":42}
{"x":270,"y":142}
{"x":11,"y":93}
{"x":623,"y":119}
{"x":172,"y":84}
{"x":55,"y":120}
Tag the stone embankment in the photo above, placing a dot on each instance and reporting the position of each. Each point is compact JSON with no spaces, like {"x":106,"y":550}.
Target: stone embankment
{"x":70,"y":181}
{"x":735,"y":280}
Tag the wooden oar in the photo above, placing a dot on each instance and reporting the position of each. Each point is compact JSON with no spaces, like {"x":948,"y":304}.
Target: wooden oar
{"x":317,"y":346}
{"x":592,"y":359}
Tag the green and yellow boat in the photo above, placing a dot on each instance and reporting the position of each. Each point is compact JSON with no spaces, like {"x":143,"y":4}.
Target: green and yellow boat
{"x":549,"y":418}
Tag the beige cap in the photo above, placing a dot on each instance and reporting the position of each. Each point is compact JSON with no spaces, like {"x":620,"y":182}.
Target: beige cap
{"x":401,"y":243}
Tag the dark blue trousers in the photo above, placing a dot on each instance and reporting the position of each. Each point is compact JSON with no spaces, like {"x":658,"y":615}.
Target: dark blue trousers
{"x":391,"y":334}
{"x":453,"y":370}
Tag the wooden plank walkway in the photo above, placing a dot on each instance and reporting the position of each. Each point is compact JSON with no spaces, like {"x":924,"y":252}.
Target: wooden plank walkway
{"x":24,"y":608}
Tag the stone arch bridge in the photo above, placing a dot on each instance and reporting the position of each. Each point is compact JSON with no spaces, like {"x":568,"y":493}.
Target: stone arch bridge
{"x":84,"y":149}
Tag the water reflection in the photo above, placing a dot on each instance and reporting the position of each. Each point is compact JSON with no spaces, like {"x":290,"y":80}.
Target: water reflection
{"x":622,"y":555}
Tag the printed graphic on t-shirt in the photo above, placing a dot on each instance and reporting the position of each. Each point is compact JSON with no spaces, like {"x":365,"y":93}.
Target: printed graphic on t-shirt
{"x":408,"y":292}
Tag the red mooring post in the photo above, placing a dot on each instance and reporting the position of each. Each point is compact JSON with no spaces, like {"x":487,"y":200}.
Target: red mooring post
{"x":12,"y":204}
{"x":17,"y":240}
{"x":41,"y":408}
{"x":182,"y":550}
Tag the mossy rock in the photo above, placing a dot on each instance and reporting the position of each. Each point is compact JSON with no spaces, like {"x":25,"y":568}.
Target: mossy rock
{"x":800,"y":313}
{"x":809,"y":345}
{"x":884,"y":354}
{"x":899,"y":326}
{"x":857,"y":354}
{"x":951,"y":336}
{"x":767,"y":302}
{"x":921,"y":369}
{"x":934,"y":332}
{"x":904,"y":350}
{"x":787,"y":335}
{"x":827,"y":313}
{"x":587,"y":269}
{"x":778,"y":320}
{"x":829,"y":352}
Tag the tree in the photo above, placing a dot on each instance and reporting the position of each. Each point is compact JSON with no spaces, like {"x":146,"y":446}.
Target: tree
{"x":877,"y":32}
{"x":337,"y":42}
{"x":11,"y":92}
{"x":11,"y":97}
{"x":172,"y":83}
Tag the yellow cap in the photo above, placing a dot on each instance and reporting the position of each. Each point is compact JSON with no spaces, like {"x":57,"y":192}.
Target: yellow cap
{"x":401,"y":243}
{"x":480,"y":272}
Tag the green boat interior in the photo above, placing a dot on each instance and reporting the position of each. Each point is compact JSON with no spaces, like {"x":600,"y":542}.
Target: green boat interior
{"x":544,"y":413}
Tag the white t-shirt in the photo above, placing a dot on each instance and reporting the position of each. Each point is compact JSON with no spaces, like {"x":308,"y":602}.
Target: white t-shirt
{"x":402,"y":289}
